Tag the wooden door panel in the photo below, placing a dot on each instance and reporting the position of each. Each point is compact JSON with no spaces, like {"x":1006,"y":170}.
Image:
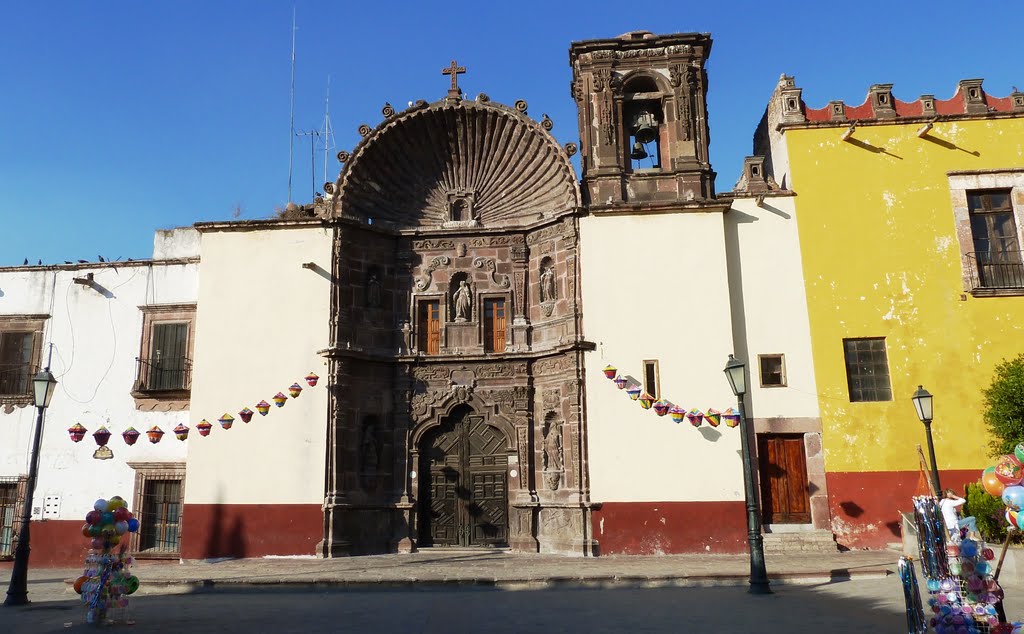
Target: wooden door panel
{"x":783,"y":473}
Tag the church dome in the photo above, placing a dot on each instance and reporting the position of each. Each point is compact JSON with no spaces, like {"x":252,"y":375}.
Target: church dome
{"x":456,"y":163}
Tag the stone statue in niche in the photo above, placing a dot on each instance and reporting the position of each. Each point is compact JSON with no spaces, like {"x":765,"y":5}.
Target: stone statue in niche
{"x":463,"y":302}
{"x":552,"y":457}
{"x":547,"y":284}
{"x":373,"y":291}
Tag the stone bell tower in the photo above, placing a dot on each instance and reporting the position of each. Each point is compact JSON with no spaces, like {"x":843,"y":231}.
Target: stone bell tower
{"x":642,"y":101}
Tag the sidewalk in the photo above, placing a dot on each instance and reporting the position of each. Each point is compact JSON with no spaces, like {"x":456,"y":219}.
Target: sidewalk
{"x":431,"y":568}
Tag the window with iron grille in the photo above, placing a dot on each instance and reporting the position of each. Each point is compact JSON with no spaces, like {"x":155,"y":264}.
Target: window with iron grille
{"x":16,"y":351}
{"x":867,"y":369}
{"x":994,"y":232}
{"x":10,"y":507}
{"x":160,"y":522}
{"x":164,"y":369}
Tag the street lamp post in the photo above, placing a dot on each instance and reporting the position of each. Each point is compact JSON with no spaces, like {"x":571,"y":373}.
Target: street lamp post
{"x":923,"y":404}
{"x":43,"y":385}
{"x":735,"y":371}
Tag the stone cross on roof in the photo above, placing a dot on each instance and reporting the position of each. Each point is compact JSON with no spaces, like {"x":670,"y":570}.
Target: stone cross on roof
{"x":454,"y":70}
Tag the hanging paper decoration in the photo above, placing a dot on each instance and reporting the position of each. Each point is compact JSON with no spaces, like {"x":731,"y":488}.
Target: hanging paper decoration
{"x":130,"y":435}
{"x":77,"y":432}
{"x":633,"y":391}
{"x":295,"y":390}
{"x":311,"y":379}
{"x":731,"y":418}
{"x":245,"y":414}
{"x":280,"y":399}
{"x":204,"y":427}
{"x":695,"y":416}
{"x":677,"y":413}
{"x":181,"y":432}
{"x":610,"y":371}
{"x":620,"y":382}
{"x":155,"y":434}
{"x":646,"y":400}
{"x":226,"y":421}
{"x":661,"y":407}
{"x":713,"y":417}
{"x":101,"y":435}
{"x":263,"y":407}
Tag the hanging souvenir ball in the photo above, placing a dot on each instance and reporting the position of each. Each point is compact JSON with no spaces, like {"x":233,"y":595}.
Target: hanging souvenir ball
{"x":1008,"y":470}
{"x":1018,"y":453}
{"x":181,"y":432}
{"x":311,"y":379}
{"x":610,"y":371}
{"x":226,"y":421}
{"x":968,"y":548}
{"x":155,"y":434}
{"x":280,"y":399}
{"x":263,"y":407}
{"x":677,"y":413}
{"x":713,"y":417}
{"x":731,"y":418}
{"x":130,"y":435}
{"x":294,"y":390}
{"x":1011,"y":517}
{"x":646,"y":400}
{"x":1013,"y":497}
{"x":633,"y":391}
{"x":695,"y":416}
{"x":245,"y":414}
{"x":620,"y":382}
{"x":992,"y":484}
{"x":988,"y":554}
{"x":101,"y":435}
{"x":204,"y":427}
{"x":77,"y":432}
{"x":661,"y":407}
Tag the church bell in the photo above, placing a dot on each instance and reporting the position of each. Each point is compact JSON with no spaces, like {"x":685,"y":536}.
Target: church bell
{"x":645,"y":126}
{"x":638,"y":152}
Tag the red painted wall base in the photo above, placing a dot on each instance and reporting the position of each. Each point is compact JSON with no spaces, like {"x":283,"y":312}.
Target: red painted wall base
{"x":250,"y":530}
{"x":55,"y":544}
{"x":653,"y":528}
{"x":865,"y":506}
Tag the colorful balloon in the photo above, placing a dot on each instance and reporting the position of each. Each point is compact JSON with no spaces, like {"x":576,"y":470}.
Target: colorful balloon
{"x":1018,"y":452}
{"x":1009,"y":471}
{"x":100,"y":505}
{"x":79,"y":583}
{"x":122,"y":514}
{"x":1013,"y":497}
{"x":132,"y":584}
{"x":992,"y":484}
{"x":122,"y":527}
{"x":106,"y":518}
{"x":133,"y":525}
{"x":93,"y":517}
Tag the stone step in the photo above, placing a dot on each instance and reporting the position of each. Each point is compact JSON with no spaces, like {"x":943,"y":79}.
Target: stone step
{"x":800,"y":541}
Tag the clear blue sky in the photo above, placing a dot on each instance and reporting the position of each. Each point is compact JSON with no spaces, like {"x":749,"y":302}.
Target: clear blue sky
{"x":118,"y":118}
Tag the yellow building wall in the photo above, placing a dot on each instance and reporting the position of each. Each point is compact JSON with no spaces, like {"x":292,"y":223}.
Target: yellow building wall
{"x":881,"y":259}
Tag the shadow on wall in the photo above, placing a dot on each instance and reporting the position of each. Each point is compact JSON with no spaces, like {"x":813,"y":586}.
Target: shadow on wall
{"x":225,"y":543}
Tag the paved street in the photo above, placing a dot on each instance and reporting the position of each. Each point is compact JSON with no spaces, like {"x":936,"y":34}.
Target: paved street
{"x":852,"y":606}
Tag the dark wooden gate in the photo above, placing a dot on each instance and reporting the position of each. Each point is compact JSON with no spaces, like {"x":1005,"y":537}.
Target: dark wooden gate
{"x":783,"y":470}
{"x":463,"y":487}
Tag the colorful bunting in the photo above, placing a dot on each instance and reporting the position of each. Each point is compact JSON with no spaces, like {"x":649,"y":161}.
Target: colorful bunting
{"x":245,"y":414}
{"x":263,"y":407}
{"x":101,"y":435}
{"x":181,"y":432}
{"x":661,"y":407}
{"x":155,"y":434}
{"x":295,"y":390}
{"x":226,"y":421}
{"x":610,"y":371}
{"x":646,"y":400}
{"x":77,"y":432}
{"x":130,"y":435}
{"x":204,"y":427}
{"x":677,"y":413}
{"x":620,"y":381}
{"x":311,"y":379}
{"x":280,"y":399}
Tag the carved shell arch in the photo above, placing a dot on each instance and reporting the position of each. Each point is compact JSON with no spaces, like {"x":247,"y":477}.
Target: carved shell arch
{"x":439,"y":411}
{"x":630,"y":79}
{"x":405,"y":171}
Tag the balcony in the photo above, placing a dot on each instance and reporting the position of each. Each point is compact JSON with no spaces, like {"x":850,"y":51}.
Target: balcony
{"x":16,"y":382}
{"x":996,"y":272}
{"x":162,"y":377}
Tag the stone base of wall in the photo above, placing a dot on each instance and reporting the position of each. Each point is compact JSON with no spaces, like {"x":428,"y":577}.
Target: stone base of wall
{"x":655,"y":528}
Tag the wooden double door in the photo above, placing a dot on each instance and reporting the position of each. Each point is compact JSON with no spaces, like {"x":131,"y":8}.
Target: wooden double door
{"x":785,"y":497}
{"x":463,"y":483}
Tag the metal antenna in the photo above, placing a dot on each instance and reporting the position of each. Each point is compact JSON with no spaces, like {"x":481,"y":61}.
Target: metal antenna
{"x":291,"y":115}
{"x":327,"y":132}
{"x":313,"y":136}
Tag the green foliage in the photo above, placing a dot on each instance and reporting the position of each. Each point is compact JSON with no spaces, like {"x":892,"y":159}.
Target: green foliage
{"x":988,"y":511}
{"x":1004,"y":406}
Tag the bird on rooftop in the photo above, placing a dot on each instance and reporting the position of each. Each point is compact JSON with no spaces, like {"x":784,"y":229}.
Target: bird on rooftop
{"x":39,"y":263}
{"x":83,"y":261}
{"x":26,"y":262}
{"x":101,"y":258}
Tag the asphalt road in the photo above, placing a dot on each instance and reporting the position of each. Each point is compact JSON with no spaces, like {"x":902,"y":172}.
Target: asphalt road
{"x":853,"y":606}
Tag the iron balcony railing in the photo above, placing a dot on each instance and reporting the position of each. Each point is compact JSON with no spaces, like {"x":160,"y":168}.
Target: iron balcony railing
{"x":16,"y":379}
{"x":996,"y":269}
{"x":167,"y":374}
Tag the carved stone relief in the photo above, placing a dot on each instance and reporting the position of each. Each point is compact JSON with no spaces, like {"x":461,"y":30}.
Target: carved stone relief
{"x":428,"y":272}
{"x":488,"y":265}
{"x":552,"y":365}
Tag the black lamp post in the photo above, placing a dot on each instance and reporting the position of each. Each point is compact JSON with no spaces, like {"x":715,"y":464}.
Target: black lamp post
{"x":43,"y":385}
{"x":735,"y":371}
{"x":923,"y":404}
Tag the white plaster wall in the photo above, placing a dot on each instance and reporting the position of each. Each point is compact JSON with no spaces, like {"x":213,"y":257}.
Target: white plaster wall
{"x":656,"y":287}
{"x":769,"y":304}
{"x":181,"y":242}
{"x":96,"y":335}
{"x":260,"y":322}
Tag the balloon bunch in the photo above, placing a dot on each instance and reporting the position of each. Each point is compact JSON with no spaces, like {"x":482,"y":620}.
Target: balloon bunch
{"x":1004,"y":480}
{"x":107,"y":580}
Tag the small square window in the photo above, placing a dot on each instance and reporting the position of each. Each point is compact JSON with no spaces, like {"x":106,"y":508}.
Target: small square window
{"x":773,"y":370}
{"x":867,"y":369}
